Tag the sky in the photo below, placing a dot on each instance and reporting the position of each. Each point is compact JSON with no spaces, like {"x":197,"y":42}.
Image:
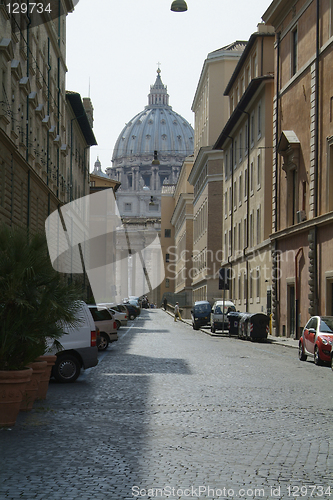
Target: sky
{"x":114,"y":47}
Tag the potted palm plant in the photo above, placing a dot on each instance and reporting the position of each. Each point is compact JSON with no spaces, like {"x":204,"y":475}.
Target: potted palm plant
{"x":34,"y":301}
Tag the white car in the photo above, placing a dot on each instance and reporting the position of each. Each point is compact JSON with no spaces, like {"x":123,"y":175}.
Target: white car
{"x":120,"y":317}
{"x":78,"y":348}
{"x":107,"y":325}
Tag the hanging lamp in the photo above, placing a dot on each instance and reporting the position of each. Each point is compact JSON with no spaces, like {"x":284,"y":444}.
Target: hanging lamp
{"x":178,"y":6}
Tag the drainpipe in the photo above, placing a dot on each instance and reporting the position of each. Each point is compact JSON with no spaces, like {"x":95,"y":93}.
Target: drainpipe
{"x":232,"y":210}
{"x":312,"y":236}
{"x":275,"y":194}
{"x":48,"y":111}
{"x":317,"y":113}
{"x":27,"y":128}
{"x":248,"y":212}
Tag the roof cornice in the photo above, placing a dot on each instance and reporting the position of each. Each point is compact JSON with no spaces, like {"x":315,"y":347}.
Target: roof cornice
{"x":241,"y":108}
{"x":205,"y":153}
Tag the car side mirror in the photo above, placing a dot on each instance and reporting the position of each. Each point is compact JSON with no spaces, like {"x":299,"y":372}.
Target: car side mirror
{"x":312,"y":330}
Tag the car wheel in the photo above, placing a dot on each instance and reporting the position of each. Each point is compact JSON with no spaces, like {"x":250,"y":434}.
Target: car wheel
{"x":301,"y":355}
{"x":132,"y":316}
{"x":118,"y":324}
{"x":195,"y":327}
{"x":66,"y":369}
{"x":103,"y":342}
{"x":316,"y":357}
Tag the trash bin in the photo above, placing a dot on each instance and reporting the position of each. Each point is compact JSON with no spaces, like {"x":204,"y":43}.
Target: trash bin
{"x":233,"y":318}
{"x":243,"y":325}
{"x":258,"y":326}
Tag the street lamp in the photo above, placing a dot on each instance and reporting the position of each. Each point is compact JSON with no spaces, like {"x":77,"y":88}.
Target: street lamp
{"x":178,"y":6}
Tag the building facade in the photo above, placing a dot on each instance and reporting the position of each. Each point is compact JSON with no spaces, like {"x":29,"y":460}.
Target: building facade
{"x":302,"y":224}
{"x":45,"y":132}
{"x":246,"y":141}
{"x":211,"y":109}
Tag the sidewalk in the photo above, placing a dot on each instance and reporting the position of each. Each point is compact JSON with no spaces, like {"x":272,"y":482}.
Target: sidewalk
{"x":285,"y":341}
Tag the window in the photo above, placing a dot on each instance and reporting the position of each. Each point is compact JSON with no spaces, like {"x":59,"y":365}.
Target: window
{"x":240,"y":146}
{"x":245,"y":183}
{"x":255,"y":66}
{"x":235,"y":238}
{"x":235,"y":195}
{"x":240,"y":235}
{"x":167,"y":257}
{"x":252,"y":130}
{"x":258,"y":283}
{"x":246,"y":139}
{"x":226,"y":165}
{"x":329,"y":191}
{"x":167,"y":233}
{"x":258,"y":226}
{"x":230,"y":200}
{"x":245,"y":232}
{"x":258,"y":172}
{"x":294,"y":52}
{"x":127,"y":207}
{"x":226,"y":204}
{"x":235,"y":153}
{"x":259,"y":120}
{"x":240,"y":190}
{"x":239,"y":286}
{"x":251,"y":230}
{"x":167,"y":283}
{"x":251,"y":285}
{"x":251,"y":177}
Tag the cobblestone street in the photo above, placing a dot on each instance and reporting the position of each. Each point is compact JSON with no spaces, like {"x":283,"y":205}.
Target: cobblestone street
{"x":170,"y":412}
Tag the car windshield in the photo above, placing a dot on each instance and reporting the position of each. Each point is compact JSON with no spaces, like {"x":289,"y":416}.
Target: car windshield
{"x":326,"y":324}
{"x":218,"y":309}
{"x":202,"y":308}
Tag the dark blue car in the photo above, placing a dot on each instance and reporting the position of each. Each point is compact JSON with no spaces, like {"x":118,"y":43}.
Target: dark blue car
{"x":200,"y":314}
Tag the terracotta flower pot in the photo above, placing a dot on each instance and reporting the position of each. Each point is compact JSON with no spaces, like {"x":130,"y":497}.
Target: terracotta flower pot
{"x":45,"y":379}
{"x":12,"y":389}
{"x":31,"y":390}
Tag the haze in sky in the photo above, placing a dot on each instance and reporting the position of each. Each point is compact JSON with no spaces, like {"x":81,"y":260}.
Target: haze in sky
{"x":114,"y":47}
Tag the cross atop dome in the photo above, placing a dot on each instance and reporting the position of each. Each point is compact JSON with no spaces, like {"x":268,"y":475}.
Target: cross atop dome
{"x":158,"y":95}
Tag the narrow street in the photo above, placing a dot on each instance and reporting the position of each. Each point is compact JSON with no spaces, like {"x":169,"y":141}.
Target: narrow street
{"x":170,"y":412}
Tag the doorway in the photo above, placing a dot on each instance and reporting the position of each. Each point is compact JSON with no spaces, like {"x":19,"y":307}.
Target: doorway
{"x":291,"y":311}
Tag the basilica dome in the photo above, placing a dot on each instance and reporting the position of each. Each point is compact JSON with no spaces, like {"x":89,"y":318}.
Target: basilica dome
{"x":156,"y":128}
{"x":149,"y":153}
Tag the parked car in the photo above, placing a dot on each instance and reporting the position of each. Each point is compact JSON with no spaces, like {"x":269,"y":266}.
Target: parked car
{"x":79,"y":348}
{"x":107,"y":325}
{"x":135,"y":303}
{"x":121,"y":308}
{"x":133,"y":311}
{"x":120,"y":317}
{"x":317,"y":339}
{"x":200,"y":314}
{"x":216,"y":316}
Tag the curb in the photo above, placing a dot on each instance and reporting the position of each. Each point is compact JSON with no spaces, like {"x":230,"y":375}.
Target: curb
{"x":284,"y":341}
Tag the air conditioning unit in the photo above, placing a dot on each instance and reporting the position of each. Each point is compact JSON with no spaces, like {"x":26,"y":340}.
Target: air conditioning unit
{"x":300,"y":216}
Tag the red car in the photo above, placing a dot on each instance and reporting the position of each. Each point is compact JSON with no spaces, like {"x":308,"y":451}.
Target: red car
{"x":317,"y":339}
